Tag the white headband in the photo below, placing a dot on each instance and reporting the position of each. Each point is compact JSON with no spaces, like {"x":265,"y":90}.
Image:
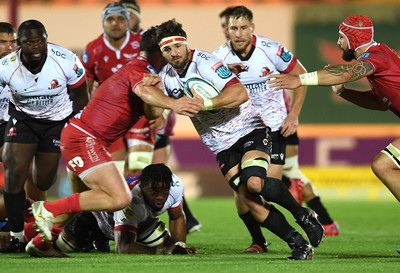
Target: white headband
{"x":171,"y":40}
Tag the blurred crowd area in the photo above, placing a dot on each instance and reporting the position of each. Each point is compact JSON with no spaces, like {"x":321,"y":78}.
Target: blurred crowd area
{"x":200,"y":2}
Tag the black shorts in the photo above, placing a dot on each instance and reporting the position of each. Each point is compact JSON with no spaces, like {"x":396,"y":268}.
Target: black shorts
{"x":278,"y":148}
{"x":29,"y":131}
{"x":257,"y":140}
{"x":293,"y":139}
{"x":162,"y":141}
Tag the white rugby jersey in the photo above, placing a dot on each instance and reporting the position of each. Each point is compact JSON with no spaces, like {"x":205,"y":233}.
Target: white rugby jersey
{"x":268,"y":57}
{"x":5,"y":95}
{"x":219,"y":129}
{"x":137,"y":212}
{"x":43,"y":95}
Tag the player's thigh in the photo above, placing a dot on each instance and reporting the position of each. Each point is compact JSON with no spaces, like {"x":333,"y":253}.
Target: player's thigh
{"x":45,"y":168}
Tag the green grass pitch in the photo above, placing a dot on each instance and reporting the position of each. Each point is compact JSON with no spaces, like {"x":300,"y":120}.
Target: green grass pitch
{"x":367,"y":243}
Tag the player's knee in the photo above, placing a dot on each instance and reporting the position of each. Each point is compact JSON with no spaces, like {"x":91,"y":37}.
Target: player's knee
{"x":254,"y":171}
{"x":122,"y":202}
{"x":377,"y":167}
{"x":254,"y":184}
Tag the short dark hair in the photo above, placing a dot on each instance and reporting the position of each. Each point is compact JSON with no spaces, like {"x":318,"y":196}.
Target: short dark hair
{"x":154,"y":174}
{"x":226,"y":12}
{"x":170,"y":28}
{"x":149,"y":41}
{"x":30,"y":24}
{"x":7,"y":28}
{"x":241,"y":11}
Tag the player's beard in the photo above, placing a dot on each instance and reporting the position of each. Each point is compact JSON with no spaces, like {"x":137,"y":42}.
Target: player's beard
{"x":348,"y":55}
{"x":182,"y":64}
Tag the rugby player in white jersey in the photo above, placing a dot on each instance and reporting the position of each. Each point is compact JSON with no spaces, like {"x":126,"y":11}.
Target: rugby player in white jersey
{"x":253,"y":58}
{"x":48,"y":85}
{"x":232,"y":129}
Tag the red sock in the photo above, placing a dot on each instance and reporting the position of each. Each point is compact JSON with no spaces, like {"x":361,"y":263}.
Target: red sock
{"x":64,"y":205}
{"x":41,"y":244}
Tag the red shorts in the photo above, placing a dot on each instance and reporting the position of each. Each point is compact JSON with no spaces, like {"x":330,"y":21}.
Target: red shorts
{"x":82,"y":151}
{"x":142,"y":131}
{"x":119,"y":144}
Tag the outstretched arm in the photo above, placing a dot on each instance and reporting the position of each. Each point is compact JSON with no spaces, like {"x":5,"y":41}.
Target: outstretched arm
{"x":330,"y":75}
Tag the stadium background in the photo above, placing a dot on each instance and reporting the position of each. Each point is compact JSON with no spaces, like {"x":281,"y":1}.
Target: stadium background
{"x":338,"y":140}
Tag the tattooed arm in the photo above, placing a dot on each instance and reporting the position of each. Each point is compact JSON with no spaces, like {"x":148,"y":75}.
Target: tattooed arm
{"x":344,"y":73}
{"x":330,"y":75}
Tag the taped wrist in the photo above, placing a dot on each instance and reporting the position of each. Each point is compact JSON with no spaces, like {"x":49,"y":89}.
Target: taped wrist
{"x":309,"y":78}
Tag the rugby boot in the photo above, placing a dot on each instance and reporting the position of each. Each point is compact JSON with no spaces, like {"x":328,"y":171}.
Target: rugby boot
{"x":13,"y":246}
{"x":301,"y":250}
{"x":312,"y":227}
{"x":43,"y":219}
{"x":331,"y":229}
{"x":257,"y":247}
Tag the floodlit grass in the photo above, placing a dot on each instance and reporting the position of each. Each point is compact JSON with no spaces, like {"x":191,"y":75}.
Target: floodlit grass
{"x":367,"y":243}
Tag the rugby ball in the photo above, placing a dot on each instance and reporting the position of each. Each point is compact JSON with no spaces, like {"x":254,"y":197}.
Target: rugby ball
{"x":202,"y":87}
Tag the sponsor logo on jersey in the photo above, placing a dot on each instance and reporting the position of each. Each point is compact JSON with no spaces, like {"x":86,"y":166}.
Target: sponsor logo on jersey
{"x":58,"y":53}
{"x":106,"y":58}
{"x":5,"y":62}
{"x":129,"y":56}
{"x":85,"y":56}
{"x":56,"y":142}
{"x":78,"y":71}
{"x":203,"y":55}
{"x":90,"y":149}
{"x":364,"y":55}
{"x":284,"y":54}
{"x":12,"y":132}
{"x":116,"y":68}
{"x":254,"y":88}
{"x":221,"y":70}
{"x":135,"y":44}
{"x":248,"y":144}
{"x":151,"y":69}
{"x":13,"y":58}
{"x":54,"y":84}
{"x":264,"y":72}
{"x":176,"y":92}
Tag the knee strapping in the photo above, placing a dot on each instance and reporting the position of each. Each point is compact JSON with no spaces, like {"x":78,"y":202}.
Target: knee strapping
{"x":139,"y":160}
{"x":393,"y":153}
{"x":254,"y":167}
{"x":234,"y":182}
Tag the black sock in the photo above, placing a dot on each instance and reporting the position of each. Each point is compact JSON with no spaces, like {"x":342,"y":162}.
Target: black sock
{"x":186,"y":209}
{"x":15,"y":207}
{"x":323,"y":216}
{"x":275,"y":191}
{"x":277,"y":224}
{"x":253,"y":227}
